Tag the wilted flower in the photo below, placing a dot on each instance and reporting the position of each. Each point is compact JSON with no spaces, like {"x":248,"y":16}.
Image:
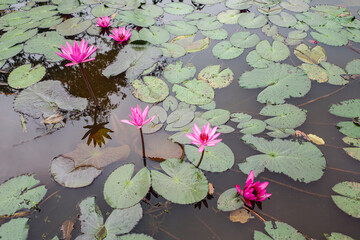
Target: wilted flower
{"x":253,"y":192}
{"x":103,"y":22}
{"x":138,"y":117}
{"x":77,"y":54}
{"x":121,"y":34}
{"x":206,"y":137}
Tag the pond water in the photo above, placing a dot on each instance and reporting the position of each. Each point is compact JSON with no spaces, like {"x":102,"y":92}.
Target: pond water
{"x":308,"y":207}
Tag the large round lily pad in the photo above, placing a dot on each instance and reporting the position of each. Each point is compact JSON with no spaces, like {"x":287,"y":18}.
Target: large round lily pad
{"x":284,"y":116}
{"x":225,"y":50}
{"x":176,"y":73}
{"x":183,"y":184}
{"x":73,"y":26}
{"x":277,"y":52}
{"x":349,"y":202}
{"x":25,"y":76}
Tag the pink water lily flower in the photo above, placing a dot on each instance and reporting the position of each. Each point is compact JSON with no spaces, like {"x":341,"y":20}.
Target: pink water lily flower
{"x":138,"y":117}
{"x":205,"y":137}
{"x":121,"y":34}
{"x":77,"y":54}
{"x":253,"y":192}
{"x":103,"y":22}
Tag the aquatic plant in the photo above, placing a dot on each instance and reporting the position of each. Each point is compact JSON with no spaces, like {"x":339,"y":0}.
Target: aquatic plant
{"x":103,"y":22}
{"x":121,"y":34}
{"x":253,"y":192}
{"x":205,"y":137}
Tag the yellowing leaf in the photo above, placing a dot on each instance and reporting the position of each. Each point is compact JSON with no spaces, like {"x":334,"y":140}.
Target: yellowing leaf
{"x":315,"y":139}
{"x":67,"y":228}
{"x":188,"y":43}
{"x":313,"y":56}
{"x":211,"y":189}
{"x":240,"y":215}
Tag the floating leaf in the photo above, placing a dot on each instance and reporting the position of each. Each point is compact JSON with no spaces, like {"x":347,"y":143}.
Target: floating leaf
{"x":316,"y":139}
{"x":170,"y":103}
{"x":175,"y":73}
{"x":353,"y":152}
{"x":65,"y":173}
{"x":283,"y":81}
{"x":152,"y":10}
{"x":229,"y":200}
{"x":209,"y":106}
{"x":73,"y":26}
{"x":334,"y":73}
{"x":133,"y":61}
{"x":240,"y":117}
{"x":135,"y":236}
{"x":295,"y":5}
{"x":44,"y":98}
{"x":208,"y":23}
{"x":350,"y":129}
{"x":180,"y":27}
{"x":353,"y":67}
{"x":216,"y":117}
{"x":238,"y":4}
{"x":208,"y":2}
{"x":15,"y":229}
{"x":244,"y":39}
{"x":152,"y":90}
{"x":349,"y":201}
{"x":348,"y":108}
{"x":329,"y":37}
{"x":215,"y":78}
{"x":253,"y":126}
{"x":102,"y":10}
{"x":197,"y":16}
{"x":352,"y":141}
{"x":154,"y":35}
{"x":283,"y":20}
{"x":248,"y":20}
{"x":25,"y":76}
{"x":188,"y":43}
{"x":277,"y":52}
{"x":240,"y":215}
{"x":50,"y":22}
{"x":302,"y":162}
{"x":284,"y":116}
{"x":138,"y":18}
{"x":173,"y":50}
{"x":315,"y":55}
{"x":180,"y":137}
{"x":180,"y":117}
{"x":337,"y":236}
{"x":256,"y":61}
{"x":225,"y":129}
{"x":216,"y":34}
{"x":311,"y":18}
{"x":225,"y":50}
{"x":70,"y":7}
{"x":194,"y":92}
{"x":216,"y":159}
{"x":18,"y":35}
{"x":19,"y":193}
{"x":159,"y":148}
{"x":278,"y":230}
{"x":184,"y":183}
{"x":178,"y":8}
{"x":7,"y":50}
{"x":160,"y":116}
{"x":47,"y":43}
{"x":315,"y":72}
{"x":228,"y":17}
{"x":122,"y":191}
{"x":279,"y":133}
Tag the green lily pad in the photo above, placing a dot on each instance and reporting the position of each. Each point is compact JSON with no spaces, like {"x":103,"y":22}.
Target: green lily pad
{"x":297,"y":34}
{"x":208,"y":23}
{"x":283,"y":20}
{"x":315,"y":72}
{"x":18,"y":193}
{"x":334,"y":73}
{"x":152,"y":90}
{"x":194,"y":92}
{"x":180,"y":27}
{"x":152,"y":10}
{"x":277,"y":52}
{"x":283,"y":81}
{"x":216,"y":34}
{"x":15,"y":229}
{"x":349,"y":201}
{"x":216,"y":159}
{"x":73,"y":26}
{"x":70,"y":7}
{"x":329,"y":37}
{"x":301,"y":162}
{"x":176,"y":73}
{"x":25,"y":76}
{"x":209,"y":106}
{"x":348,"y":108}
{"x":240,"y":117}
{"x":135,"y":236}
{"x":312,"y":19}
{"x":190,"y":46}
{"x":41,"y":12}
{"x":18,"y":36}
{"x":229,"y":200}
{"x":15,"y":18}
{"x":50,"y":22}
{"x":184,"y":183}
{"x":248,"y":20}
{"x":244,"y":39}
{"x":225,"y":129}
{"x":295,"y":5}
{"x":137,"y":18}
{"x":216,"y":117}
{"x":178,"y":8}
{"x":278,"y":230}
{"x":208,"y":2}
{"x":197,"y":16}
{"x":180,"y":137}
{"x":225,"y":50}
{"x":352,"y":141}
{"x":239,"y":4}
{"x":256,"y":61}
{"x":229,"y":16}
{"x":43,"y":99}
{"x":279,"y":132}
{"x":215,"y":77}
{"x":134,"y":61}
{"x":353,"y":67}
{"x":180,"y":117}
{"x":154,"y":35}
{"x":173,"y":50}
{"x":120,"y":221}
{"x":350,"y":129}
{"x":353,"y":152}
{"x":284,"y":116}
{"x":170,"y":103}
{"x":337,"y":236}
{"x":269,"y":11}
{"x":253,"y":126}
{"x":122,"y":191}
{"x":102,"y":10}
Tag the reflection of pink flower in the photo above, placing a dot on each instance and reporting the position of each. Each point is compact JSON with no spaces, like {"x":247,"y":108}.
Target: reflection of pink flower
{"x":138,"y":117}
{"x":204,"y":138}
{"x":103,"y":22}
{"x":77,"y":54}
{"x":121,"y":34}
{"x":253,"y":192}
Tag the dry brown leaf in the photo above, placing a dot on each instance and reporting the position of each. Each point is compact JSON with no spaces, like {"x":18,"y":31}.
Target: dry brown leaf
{"x":211,"y":189}
{"x":240,"y":215}
{"x":315,"y":139}
{"x":67,"y":228}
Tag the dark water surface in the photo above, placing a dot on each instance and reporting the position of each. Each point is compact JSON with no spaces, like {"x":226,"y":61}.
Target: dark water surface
{"x":307,"y":207}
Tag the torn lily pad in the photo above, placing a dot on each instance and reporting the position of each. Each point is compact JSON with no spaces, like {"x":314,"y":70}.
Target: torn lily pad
{"x":215,"y":77}
{"x":25,"y":76}
{"x":348,"y":200}
{"x":188,"y":43}
{"x":151,"y":90}
{"x":301,"y":162}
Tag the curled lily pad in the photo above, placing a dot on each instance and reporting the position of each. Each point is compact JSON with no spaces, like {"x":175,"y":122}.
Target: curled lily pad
{"x":302,"y":162}
{"x":21,"y":192}
{"x":194,"y":92}
{"x":25,"y":76}
{"x":121,"y":190}
{"x":277,"y":52}
{"x":229,"y":200}
{"x":176,"y":73}
{"x":183,"y":184}
{"x":348,"y":200}
{"x":15,"y":229}
{"x":215,"y":77}
{"x":225,"y":50}
{"x":313,"y":56}
{"x":73,"y":26}
{"x":152,"y":90}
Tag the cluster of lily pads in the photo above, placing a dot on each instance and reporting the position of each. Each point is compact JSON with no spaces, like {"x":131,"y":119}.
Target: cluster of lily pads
{"x":37,"y":29}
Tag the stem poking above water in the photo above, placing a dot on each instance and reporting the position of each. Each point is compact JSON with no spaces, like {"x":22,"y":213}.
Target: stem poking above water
{"x":201,"y":158}
{"x":88,"y":86}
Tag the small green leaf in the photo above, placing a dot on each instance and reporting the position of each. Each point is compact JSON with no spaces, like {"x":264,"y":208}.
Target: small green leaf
{"x":229,"y":200}
{"x":194,"y":92}
{"x":176,"y":73}
{"x":225,"y":50}
{"x":244,"y":39}
{"x":277,"y":52}
{"x":25,"y":76}
{"x":214,"y":77}
{"x":152,"y":90}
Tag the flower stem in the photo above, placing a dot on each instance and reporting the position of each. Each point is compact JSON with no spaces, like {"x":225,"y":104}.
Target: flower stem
{"x":88,"y":85}
{"x":143,"y":147}
{"x":201,"y":158}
